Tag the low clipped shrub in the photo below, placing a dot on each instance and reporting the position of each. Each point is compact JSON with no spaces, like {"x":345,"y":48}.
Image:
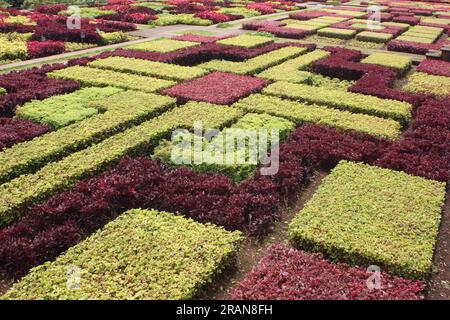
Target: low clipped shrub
{"x":340,"y":120}
{"x":15,"y":130}
{"x":419,"y":82}
{"x":389,"y":219}
{"x":400,"y":63}
{"x":246,"y":41}
{"x":336,"y":33}
{"x":184,"y":18}
{"x":309,"y":276}
{"x":435,"y":67}
{"x":162,"y":45}
{"x":102,"y":78}
{"x":186,"y":267}
{"x":285,"y":32}
{"x":400,"y":111}
{"x":377,"y":37}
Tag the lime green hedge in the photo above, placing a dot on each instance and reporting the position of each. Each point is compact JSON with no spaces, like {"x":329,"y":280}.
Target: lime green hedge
{"x":246,"y":41}
{"x":142,"y":254}
{"x":13,"y":50}
{"x":377,"y":37}
{"x":355,"y":102}
{"x":2,"y":90}
{"x":113,"y":37}
{"x":371,"y":216}
{"x":247,"y":13}
{"x":95,"y":77}
{"x":29,"y":189}
{"x":148,"y":68}
{"x":337,"y":33}
{"x":291,"y":70}
{"x":88,"y":12}
{"x":163,"y":45}
{"x":254,"y":65}
{"x":333,"y":118}
{"x":176,"y":153}
{"x":59,"y":111}
{"x":420,"y":82}
{"x":165,"y":19}
{"x":399,"y":62}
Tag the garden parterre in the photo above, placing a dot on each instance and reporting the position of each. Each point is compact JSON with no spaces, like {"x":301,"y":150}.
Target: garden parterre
{"x":90,"y":145}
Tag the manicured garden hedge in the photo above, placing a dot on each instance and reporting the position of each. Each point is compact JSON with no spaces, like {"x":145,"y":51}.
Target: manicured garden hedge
{"x":374,"y":36}
{"x":400,"y":111}
{"x":368,"y":215}
{"x":341,"y":120}
{"x":419,"y":82}
{"x":396,"y":61}
{"x":15,"y":130}
{"x":336,"y":33}
{"x":247,"y":41}
{"x":58,"y":176}
{"x":254,"y":65}
{"x":59,"y":111}
{"x":148,"y":68}
{"x":96,"y":77}
{"x":163,"y":45}
{"x":435,"y":67}
{"x":309,"y":276}
{"x":171,"y":257}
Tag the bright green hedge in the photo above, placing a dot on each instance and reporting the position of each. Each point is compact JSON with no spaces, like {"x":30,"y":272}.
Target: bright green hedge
{"x":61,"y":110}
{"x":355,"y":102}
{"x":122,"y":110}
{"x":175,"y":153}
{"x":333,"y":118}
{"x":254,"y":65}
{"x":371,"y":216}
{"x":113,"y":37}
{"x":148,"y":68}
{"x":29,"y":189}
{"x":95,"y":77}
{"x":370,"y":36}
{"x":2,"y":90}
{"x":336,"y":33}
{"x":397,"y":61}
{"x":163,"y":45}
{"x":13,"y":50}
{"x":420,"y":82}
{"x":291,"y":69}
{"x":142,"y":254}
{"x":246,"y":41}
{"x":165,"y":19}
{"x":247,"y":13}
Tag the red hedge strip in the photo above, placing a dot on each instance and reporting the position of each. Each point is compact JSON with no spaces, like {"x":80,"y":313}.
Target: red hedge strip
{"x":436,"y":67}
{"x":289,"y":274}
{"x":217,"y":87}
{"x":37,"y":49}
{"x":284,"y":32}
{"x":17,"y":130}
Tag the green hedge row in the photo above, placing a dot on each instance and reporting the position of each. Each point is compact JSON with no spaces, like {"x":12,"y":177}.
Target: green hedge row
{"x":247,"y":41}
{"x":175,"y":153}
{"x":336,"y":33}
{"x":142,"y":254}
{"x":291,"y":70}
{"x":30,"y":189}
{"x":371,"y":36}
{"x":355,"y":102}
{"x":163,"y":45}
{"x":182,"y":18}
{"x":372,"y":216}
{"x":148,"y":68}
{"x":420,"y":82}
{"x":62,"y":110}
{"x":122,"y":110}
{"x":254,"y":65}
{"x":333,"y":118}
{"x":399,"y":62}
{"x":95,"y":77}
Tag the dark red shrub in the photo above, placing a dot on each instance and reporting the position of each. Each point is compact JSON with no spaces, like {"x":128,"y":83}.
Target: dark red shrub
{"x":15,"y":130}
{"x":38,"y":49}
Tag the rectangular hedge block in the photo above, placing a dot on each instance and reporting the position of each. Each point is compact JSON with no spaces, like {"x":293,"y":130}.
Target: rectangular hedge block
{"x":372,"y":216}
{"x":95,"y":77}
{"x":400,"y":63}
{"x":337,"y":33}
{"x":143,"y":254}
{"x":254,"y":65}
{"x":61,"y":110}
{"x":371,"y":36}
{"x":246,"y":41}
{"x":162,"y":45}
{"x":420,"y":82}
{"x":339,"y":99}
{"x":148,"y":68}
{"x":333,"y":118}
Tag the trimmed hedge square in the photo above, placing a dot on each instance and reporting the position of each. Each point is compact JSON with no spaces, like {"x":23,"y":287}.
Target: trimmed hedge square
{"x":247,"y":41}
{"x":420,"y":82}
{"x":142,"y":254}
{"x":398,"y":62}
{"x":163,"y":45}
{"x":337,"y":33}
{"x":367,"y":215}
{"x":371,"y":36}
{"x":217,"y":87}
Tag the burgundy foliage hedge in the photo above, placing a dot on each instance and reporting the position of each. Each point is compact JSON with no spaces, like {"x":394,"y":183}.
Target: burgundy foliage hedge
{"x":436,"y":67}
{"x":412,"y":47}
{"x":38,"y":49}
{"x":198,"y":38}
{"x":17,"y":130}
{"x":284,"y":32}
{"x":51,"y":9}
{"x":289,"y":274}
{"x":407,"y":19}
{"x":217,"y":87}
{"x":23,"y":86}
{"x":257,"y":24}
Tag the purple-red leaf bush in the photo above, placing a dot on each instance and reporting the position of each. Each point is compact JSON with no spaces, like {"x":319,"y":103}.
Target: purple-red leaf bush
{"x":14,"y":130}
{"x":436,"y":67}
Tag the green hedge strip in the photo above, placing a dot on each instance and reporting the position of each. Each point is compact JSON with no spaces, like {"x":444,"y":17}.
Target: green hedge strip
{"x":372,"y":216}
{"x":333,"y":118}
{"x":246,"y":41}
{"x":163,"y":45}
{"x":148,"y":68}
{"x":30,"y":189}
{"x":142,"y":254}
{"x":355,"y":102}
{"x":95,"y":77}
